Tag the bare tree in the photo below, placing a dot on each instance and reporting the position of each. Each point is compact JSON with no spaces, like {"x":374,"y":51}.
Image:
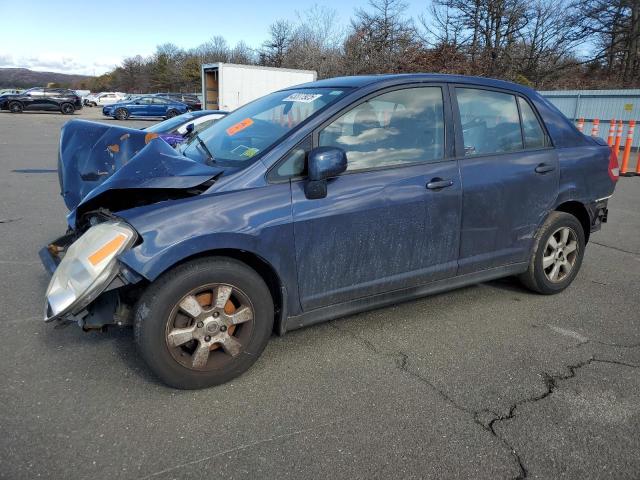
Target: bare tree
{"x":274,"y":49}
{"x":381,"y":39}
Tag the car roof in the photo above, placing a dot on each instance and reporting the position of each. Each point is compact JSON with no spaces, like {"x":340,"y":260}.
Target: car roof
{"x":360,"y":81}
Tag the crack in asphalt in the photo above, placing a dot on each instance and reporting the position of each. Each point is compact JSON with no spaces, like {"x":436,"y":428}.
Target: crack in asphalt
{"x":401,"y":361}
{"x":620,"y":345}
{"x":9,"y":220}
{"x":616,"y":248}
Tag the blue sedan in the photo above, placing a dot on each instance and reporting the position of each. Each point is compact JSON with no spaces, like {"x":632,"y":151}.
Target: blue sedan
{"x":145,"y":107}
{"x":316,"y":202}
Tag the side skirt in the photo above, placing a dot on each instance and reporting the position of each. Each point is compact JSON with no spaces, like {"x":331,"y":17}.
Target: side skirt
{"x":331,"y":312}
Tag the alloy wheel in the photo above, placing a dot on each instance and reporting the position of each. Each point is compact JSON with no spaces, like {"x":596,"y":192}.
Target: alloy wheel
{"x":560,"y":254}
{"x":209,"y":326}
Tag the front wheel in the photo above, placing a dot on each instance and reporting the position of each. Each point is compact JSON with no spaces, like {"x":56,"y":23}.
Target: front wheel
{"x":121,"y":114}
{"x":15,"y":107}
{"x":557,"y":255}
{"x":204,"y":322}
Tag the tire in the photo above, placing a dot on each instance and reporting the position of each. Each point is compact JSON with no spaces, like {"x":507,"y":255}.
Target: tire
{"x":160,"y":321}
{"x":564,"y":259}
{"x":172,"y":113}
{"x":15,"y":107}
{"x":121,"y":114}
{"x":67,"y":109}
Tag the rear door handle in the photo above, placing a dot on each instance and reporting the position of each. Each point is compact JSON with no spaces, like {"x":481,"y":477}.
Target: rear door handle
{"x":438,"y":183}
{"x":544,"y":168}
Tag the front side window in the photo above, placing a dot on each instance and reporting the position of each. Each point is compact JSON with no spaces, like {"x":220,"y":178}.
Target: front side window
{"x":245,"y":134}
{"x":490,"y":121}
{"x":145,"y":101}
{"x":399,"y":127}
{"x":294,"y":163}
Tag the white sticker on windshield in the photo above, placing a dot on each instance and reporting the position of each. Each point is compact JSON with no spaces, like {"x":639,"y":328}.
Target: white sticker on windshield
{"x":302,"y":97}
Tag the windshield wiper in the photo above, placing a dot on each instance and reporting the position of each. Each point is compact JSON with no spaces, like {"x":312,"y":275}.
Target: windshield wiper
{"x":210,"y":159}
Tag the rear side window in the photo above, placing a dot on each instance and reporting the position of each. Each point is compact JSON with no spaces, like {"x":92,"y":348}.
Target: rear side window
{"x":490,"y":121}
{"x":534,"y":136}
{"x":399,"y":127}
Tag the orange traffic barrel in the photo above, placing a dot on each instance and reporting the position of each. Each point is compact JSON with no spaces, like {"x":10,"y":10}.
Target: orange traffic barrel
{"x":618,"y":137}
{"x":580,"y":124}
{"x":595,"y":130}
{"x":627,"y":149}
{"x":612,"y":132}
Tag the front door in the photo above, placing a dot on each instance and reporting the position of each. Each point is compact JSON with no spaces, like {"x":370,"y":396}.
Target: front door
{"x":141,"y":107}
{"x":391,"y":221}
{"x":509,"y":177}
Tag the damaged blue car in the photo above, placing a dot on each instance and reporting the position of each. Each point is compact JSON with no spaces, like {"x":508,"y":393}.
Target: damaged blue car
{"x":316,"y":202}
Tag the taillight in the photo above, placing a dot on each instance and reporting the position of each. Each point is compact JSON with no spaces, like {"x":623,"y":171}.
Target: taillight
{"x":614,"y":170}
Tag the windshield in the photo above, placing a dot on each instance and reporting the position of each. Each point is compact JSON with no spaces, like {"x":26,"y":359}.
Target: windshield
{"x":243,"y":135}
{"x":170,"y":124}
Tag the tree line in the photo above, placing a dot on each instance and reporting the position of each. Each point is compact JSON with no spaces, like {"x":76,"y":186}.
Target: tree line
{"x":542,"y":43}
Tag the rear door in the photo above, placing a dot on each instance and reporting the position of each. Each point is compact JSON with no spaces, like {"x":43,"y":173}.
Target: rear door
{"x":159,"y":107}
{"x":509,"y":176}
{"x":391,"y":221}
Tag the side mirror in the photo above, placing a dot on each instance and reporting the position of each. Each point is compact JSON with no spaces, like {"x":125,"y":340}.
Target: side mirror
{"x":324,"y":163}
{"x":189,"y":129}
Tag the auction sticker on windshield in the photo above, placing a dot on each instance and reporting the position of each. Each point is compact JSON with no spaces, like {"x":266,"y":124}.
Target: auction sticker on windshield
{"x":233,"y":129}
{"x":302,"y":97}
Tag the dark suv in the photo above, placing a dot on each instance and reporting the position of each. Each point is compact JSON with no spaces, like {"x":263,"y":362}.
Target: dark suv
{"x":50,"y":99}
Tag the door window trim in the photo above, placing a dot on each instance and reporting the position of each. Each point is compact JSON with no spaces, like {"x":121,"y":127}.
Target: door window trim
{"x":459,"y":140}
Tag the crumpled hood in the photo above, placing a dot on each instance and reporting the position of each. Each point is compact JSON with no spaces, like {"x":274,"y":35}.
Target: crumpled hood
{"x":95,"y":158}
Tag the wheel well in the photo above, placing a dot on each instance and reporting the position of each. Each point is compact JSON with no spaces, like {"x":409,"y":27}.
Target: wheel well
{"x":579,"y":211}
{"x":261,"y":266}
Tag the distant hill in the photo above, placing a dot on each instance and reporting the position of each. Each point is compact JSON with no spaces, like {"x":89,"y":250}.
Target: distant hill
{"x":25,"y":78}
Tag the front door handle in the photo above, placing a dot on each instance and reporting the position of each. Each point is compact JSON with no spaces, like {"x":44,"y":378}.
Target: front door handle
{"x":438,"y":183}
{"x":544,"y":168}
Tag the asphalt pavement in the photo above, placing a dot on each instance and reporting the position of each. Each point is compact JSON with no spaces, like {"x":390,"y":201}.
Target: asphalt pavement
{"x":486,"y":382}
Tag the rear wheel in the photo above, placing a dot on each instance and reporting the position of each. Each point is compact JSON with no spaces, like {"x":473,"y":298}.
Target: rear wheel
{"x":121,"y":114}
{"x":67,"y":108}
{"x":172,"y":113}
{"x":557,"y":256}
{"x":15,"y":107}
{"x":204,"y":322}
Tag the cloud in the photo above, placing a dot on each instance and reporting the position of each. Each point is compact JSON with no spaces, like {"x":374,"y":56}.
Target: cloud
{"x":53,"y":62}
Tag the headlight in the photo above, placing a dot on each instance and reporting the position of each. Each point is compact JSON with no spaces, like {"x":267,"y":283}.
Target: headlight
{"x":87,"y":268}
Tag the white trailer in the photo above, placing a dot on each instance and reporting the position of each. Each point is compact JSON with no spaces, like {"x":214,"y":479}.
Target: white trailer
{"x":227,"y":86}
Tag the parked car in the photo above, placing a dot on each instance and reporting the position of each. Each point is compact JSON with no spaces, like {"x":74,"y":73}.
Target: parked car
{"x":316,"y":202}
{"x":178,"y":129}
{"x":192,"y":101}
{"x":60,"y":99}
{"x":104,"y":98}
{"x":149,"y":106}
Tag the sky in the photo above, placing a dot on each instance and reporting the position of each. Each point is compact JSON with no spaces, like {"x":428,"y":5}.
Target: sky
{"x":91,"y":38}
